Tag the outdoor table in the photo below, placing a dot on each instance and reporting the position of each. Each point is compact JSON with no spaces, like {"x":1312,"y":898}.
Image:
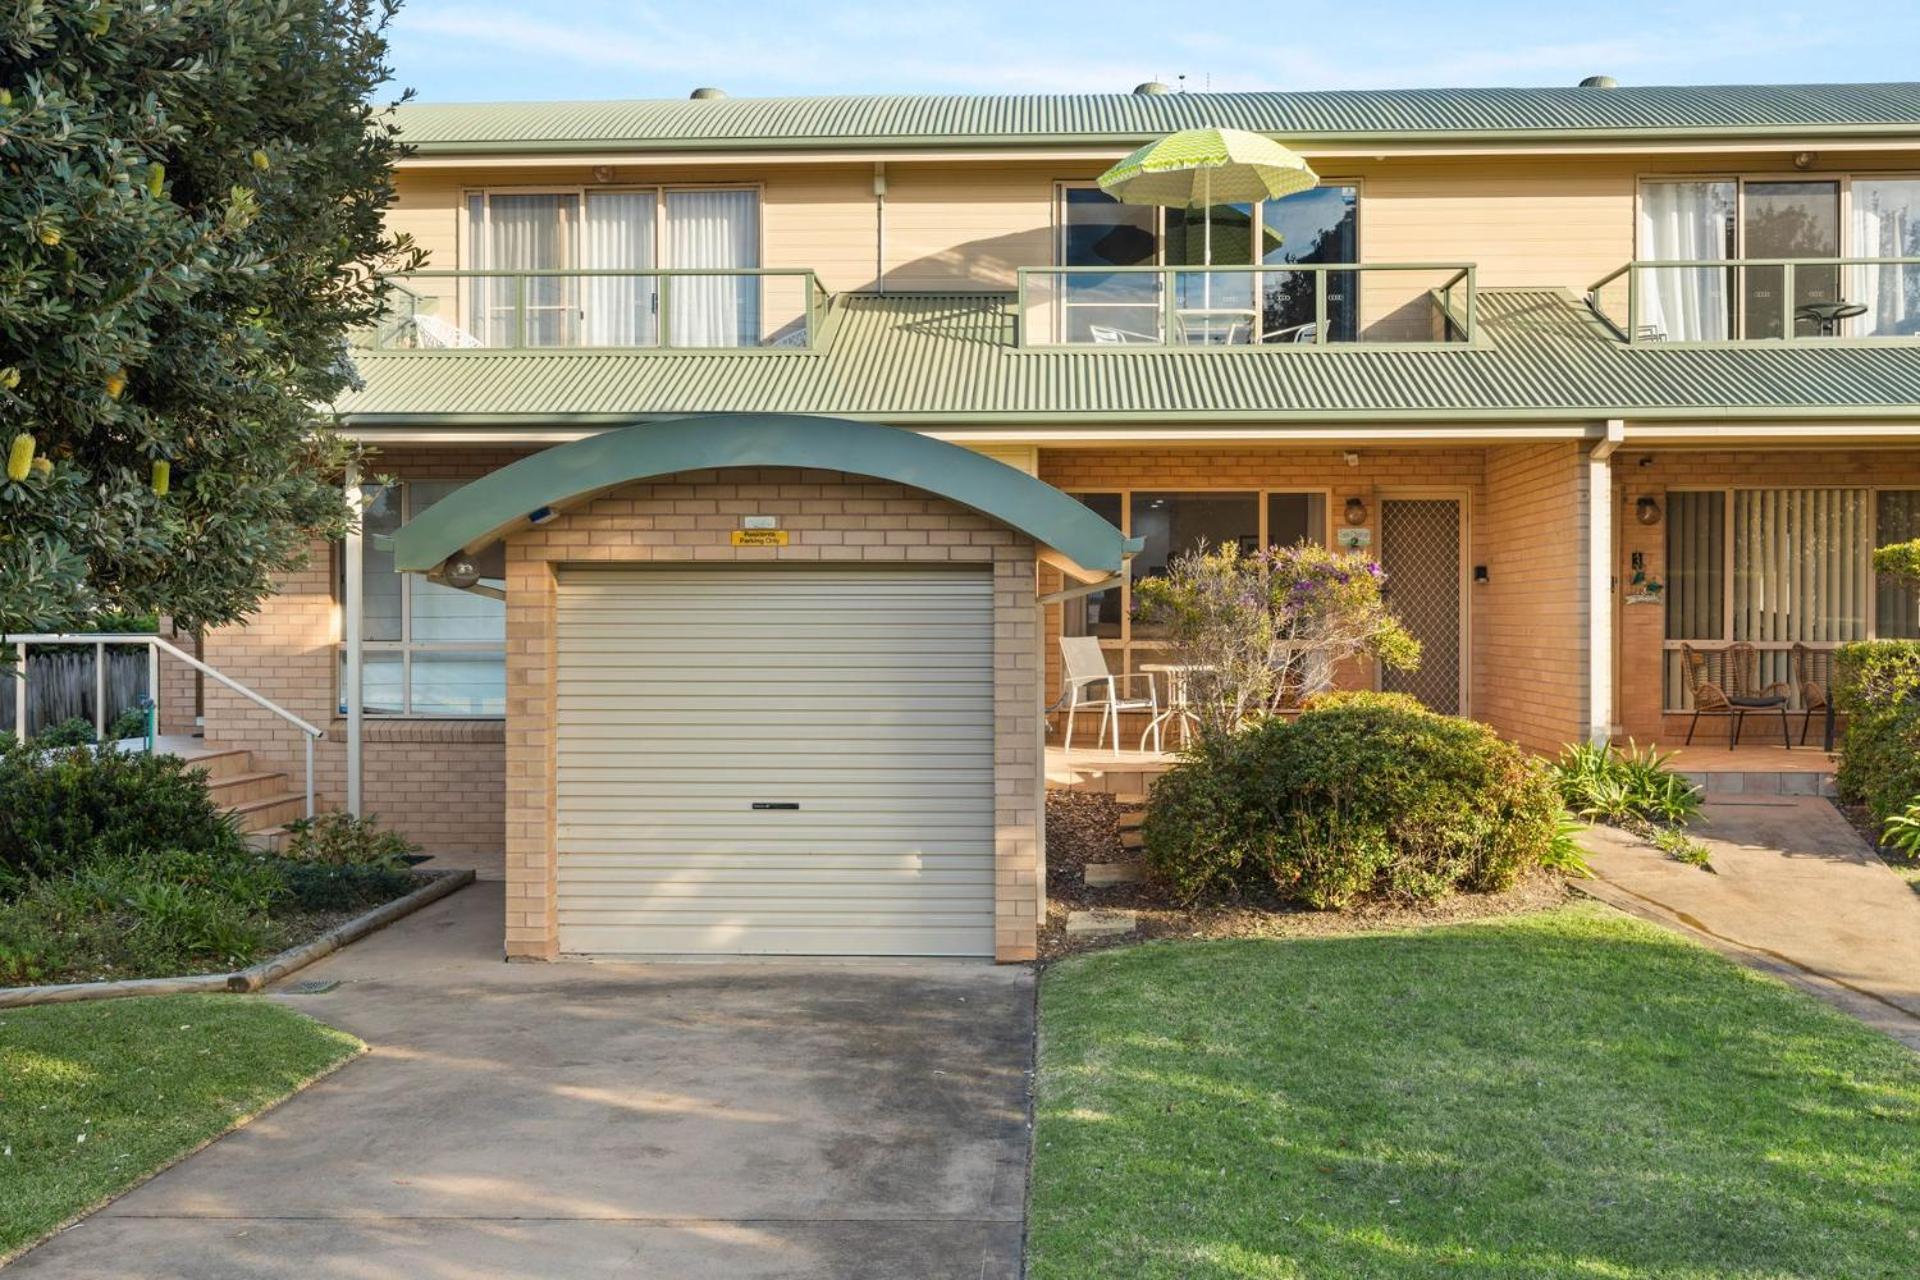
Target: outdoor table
{"x":1177,"y":678}
{"x":1828,"y":315}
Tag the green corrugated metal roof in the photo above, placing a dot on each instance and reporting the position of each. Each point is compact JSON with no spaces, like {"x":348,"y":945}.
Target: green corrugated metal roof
{"x":951,"y":358}
{"x":931,"y":120}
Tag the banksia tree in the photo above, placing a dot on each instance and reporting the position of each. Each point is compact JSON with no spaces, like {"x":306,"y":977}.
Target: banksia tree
{"x":191,"y":223}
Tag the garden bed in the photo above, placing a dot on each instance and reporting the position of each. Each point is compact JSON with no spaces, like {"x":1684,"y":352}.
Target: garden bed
{"x":1084,"y":827}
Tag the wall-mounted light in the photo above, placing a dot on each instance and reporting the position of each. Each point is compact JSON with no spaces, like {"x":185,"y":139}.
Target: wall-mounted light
{"x":460,"y":571}
{"x":1647,"y":511}
{"x":540,"y":515}
{"x":1356,"y":511}
{"x":603,"y":173}
{"x":1803,"y":160}
{"x":1481,"y":575}
{"x":1351,"y":459}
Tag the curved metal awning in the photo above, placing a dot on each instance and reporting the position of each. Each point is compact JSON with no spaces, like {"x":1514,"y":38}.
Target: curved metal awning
{"x":478,"y":513}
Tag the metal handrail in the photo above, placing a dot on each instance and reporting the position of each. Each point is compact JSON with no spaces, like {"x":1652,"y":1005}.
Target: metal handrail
{"x":1631,"y":331}
{"x":817,"y":300}
{"x":1463,"y":277}
{"x":154,"y":646}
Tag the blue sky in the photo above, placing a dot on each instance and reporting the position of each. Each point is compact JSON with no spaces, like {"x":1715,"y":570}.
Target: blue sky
{"x":461,"y":50}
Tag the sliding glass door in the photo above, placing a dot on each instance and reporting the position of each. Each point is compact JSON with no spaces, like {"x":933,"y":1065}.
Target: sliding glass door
{"x":1885,"y":223}
{"x":708,"y":230}
{"x":620,"y":311}
{"x":524,"y":232}
{"x":1687,"y":222}
{"x":1790,"y":220}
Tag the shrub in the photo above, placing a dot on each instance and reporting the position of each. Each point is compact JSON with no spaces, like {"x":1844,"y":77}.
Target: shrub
{"x":1365,"y":794}
{"x":317,"y":886}
{"x":1602,"y":783}
{"x":1901,"y":832}
{"x":61,"y":809}
{"x":1877,"y":689}
{"x":162,"y":913}
{"x":1267,"y":629}
{"x":342,"y":840}
{"x":77,"y":731}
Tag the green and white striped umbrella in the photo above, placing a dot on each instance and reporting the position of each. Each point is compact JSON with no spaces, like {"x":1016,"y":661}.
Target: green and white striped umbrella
{"x":1199,"y":168}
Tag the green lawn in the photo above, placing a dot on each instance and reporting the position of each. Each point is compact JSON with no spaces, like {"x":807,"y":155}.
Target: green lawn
{"x":94,"y":1096}
{"x":1573,"y":1093}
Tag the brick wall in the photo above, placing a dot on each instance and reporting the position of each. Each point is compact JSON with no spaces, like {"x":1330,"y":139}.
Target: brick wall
{"x":438,"y":781}
{"x":1641,"y":628}
{"x":1530,"y":633}
{"x":1379,"y":473}
{"x":832,"y":518}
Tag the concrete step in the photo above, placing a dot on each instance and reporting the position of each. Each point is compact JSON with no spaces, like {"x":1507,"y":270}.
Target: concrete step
{"x":1130,"y":799}
{"x":1132,"y":841}
{"x":1100,"y":924}
{"x":221,"y":763}
{"x":1130,"y":819}
{"x":269,"y":839}
{"x":1101,"y":875}
{"x":238,"y":788}
{"x":269,"y":811}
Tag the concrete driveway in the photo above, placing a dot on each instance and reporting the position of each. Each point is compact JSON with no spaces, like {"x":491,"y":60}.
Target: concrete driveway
{"x":666,"y":1120}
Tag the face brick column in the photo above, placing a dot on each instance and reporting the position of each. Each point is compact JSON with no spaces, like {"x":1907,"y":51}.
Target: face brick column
{"x":532,"y":925}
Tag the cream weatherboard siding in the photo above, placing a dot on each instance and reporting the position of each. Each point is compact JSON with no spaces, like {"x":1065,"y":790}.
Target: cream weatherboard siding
{"x":863,"y":696}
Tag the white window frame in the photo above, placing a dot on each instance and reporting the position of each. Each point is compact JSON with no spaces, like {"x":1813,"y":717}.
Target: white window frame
{"x":406,"y":646}
{"x":467,"y":253}
{"x":1670,"y":699}
{"x":1740,"y":179}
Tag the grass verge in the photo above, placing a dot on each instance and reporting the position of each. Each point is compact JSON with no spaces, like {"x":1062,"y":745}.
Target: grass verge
{"x":95,"y":1096}
{"x":1570,"y":1093}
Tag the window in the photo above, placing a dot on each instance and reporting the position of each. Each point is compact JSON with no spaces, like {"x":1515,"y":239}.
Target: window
{"x":1779,"y":567}
{"x":1317,"y":226}
{"x":1172,"y":523}
{"x":426,"y":649}
{"x":1706,"y":220}
{"x":1886,"y":224}
{"x":684,"y":229}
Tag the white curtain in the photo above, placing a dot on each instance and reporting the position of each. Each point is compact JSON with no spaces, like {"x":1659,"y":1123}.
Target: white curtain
{"x":1886,"y":224}
{"x":1685,"y":221}
{"x":618,"y":236}
{"x":524,"y":233}
{"x":709,"y":229}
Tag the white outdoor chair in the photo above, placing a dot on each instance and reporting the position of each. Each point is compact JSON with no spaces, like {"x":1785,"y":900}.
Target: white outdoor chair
{"x":1089,"y":685}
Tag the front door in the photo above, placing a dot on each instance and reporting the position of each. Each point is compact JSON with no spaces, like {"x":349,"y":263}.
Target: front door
{"x":1420,"y":551}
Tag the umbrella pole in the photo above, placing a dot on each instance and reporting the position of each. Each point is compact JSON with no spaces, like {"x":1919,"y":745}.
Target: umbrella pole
{"x":1206,"y":240}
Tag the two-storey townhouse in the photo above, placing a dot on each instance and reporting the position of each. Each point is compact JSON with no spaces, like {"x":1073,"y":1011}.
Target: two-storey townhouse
{"x":747,"y":459}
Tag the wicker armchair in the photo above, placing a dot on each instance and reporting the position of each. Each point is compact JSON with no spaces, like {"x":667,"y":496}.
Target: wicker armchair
{"x":1726,"y":682}
{"x":1813,"y":676}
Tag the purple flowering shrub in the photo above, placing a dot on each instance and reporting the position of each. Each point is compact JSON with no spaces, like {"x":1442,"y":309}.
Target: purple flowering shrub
{"x":1269,"y":629}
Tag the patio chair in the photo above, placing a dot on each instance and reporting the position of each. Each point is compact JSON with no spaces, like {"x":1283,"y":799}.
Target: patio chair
{"x":1813,"y":676}
{"x":1726,"y":682}
{"x":1090,"y":686}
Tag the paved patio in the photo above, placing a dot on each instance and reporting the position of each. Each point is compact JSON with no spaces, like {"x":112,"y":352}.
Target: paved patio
{"x":1797,"y":893}
{"x":659,"y":1120}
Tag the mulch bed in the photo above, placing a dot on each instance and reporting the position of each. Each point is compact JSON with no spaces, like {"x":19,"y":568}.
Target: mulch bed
{"x":1083,"y":828}
{"x":1862,"y":820}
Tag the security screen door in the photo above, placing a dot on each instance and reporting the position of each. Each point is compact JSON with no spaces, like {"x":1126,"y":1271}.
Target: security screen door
{"x":1420,"y":551}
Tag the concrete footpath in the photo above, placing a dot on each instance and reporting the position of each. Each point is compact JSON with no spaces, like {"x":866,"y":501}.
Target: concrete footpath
{"x":793,"y":1120}
{"x":1797,"y":893}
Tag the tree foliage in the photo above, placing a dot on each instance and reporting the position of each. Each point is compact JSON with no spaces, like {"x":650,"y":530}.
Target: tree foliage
{"x":1268,"y":629}
{"x":191,"y":218}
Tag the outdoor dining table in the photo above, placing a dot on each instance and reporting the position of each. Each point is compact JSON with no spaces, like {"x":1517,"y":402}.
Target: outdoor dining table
{"x":1179,"y":705}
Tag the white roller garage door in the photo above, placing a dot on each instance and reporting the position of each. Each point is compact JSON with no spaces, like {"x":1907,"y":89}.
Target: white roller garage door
{"x":775,"y":761}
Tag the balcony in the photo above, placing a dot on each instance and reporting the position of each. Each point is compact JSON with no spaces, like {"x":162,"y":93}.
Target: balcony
{"x":1741,"y":300}
{"x":1296,"y":305}
{"x":759,"y":310}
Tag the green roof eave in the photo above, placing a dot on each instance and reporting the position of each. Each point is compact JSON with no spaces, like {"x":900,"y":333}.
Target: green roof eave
{"x":495,"y":504}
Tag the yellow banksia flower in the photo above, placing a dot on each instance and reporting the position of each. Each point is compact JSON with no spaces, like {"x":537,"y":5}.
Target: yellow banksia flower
{"x":50,"y":236}
{"x":43,"y":466}
{"x":162,"y":476}
{"x":9,"y":378}
{"x":261,"y":160}
{"x":156,"y":179}
{"x":20,"y":457}
{"x":116,"y":383}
